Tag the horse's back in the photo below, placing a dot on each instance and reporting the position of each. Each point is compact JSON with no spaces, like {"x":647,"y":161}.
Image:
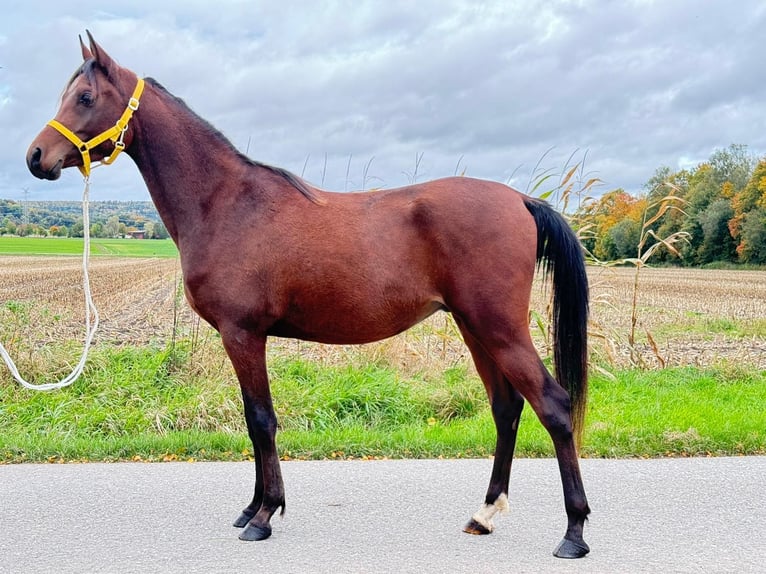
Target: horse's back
{"x":448,"y":236}
{"x":461,"y":209}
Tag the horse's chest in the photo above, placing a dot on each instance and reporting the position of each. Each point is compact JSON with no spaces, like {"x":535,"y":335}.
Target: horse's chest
{"x":227,"y":293}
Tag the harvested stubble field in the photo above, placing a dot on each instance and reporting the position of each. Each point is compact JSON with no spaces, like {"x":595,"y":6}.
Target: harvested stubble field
{"x":695,"y":317}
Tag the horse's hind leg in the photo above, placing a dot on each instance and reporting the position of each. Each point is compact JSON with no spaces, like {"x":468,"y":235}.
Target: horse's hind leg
{"x":507,"y":404}
{"x":514,"y":354}
{"x":552,"y":405}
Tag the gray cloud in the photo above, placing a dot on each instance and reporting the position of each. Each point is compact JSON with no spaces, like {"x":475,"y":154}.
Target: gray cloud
{"x":486,"y":87}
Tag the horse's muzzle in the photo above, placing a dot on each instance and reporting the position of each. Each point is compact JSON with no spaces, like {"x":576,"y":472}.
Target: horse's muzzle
{"x":34,"y":164}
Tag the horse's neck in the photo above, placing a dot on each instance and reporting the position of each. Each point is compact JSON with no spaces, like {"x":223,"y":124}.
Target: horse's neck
{"x":181,"y":161}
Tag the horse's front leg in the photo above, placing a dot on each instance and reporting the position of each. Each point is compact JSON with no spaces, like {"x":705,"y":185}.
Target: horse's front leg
{"x":255,"y":504}
{"x":269,"y":493}
{"x":248,"y":355}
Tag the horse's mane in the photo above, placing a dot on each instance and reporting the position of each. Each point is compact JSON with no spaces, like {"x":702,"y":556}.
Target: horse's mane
{"x":288,"y":176}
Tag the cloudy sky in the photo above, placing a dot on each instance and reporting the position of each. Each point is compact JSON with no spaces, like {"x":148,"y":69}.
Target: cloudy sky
{"x":351,"y":93}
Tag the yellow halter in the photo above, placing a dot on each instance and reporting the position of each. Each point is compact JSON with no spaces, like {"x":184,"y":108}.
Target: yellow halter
{"x":116,"y":133}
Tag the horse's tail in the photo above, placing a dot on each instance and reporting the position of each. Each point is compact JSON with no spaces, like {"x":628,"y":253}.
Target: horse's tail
{"x":560,"y":254}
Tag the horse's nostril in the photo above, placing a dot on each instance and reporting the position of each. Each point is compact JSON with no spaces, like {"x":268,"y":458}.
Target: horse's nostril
{"x":34,"y":163}
{"x":34,"y":159}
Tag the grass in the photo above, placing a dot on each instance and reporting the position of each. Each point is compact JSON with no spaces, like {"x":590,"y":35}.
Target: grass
{"x":10,"y":245}
{"x":149,"y":404}
{"x":710,"y":327}
{"x":134,"y":247}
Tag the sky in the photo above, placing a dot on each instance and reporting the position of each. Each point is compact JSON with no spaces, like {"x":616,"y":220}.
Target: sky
{"x":361,"y":95}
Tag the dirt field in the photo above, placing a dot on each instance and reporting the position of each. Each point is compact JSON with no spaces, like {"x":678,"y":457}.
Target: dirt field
{"x":697,"y":317}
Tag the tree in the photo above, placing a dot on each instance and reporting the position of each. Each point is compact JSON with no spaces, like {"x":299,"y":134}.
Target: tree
{"x":666,"y":182}
{"x":112,"y":227}
{"x":704,"y":188}
{"x":160,"y":231}
{"x":78,"y":229}
{"x":96,"y":230}
{"x":717,"y":243}
{"x":705,"y":207}
{"x":603,"y":214}
{"x":753,"y":195}
{"x":752,"y":248}
{"x":666,"y":193}
{"x":625,"y":236}
{"x":733,"y":164}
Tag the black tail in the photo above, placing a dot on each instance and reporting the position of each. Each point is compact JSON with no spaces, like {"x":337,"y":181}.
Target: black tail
{"x":560,"y":254}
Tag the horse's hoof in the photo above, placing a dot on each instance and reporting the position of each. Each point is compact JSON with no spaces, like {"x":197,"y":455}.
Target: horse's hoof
{"x":243,"y":519}
{"x":254,"y":532}
{"x":571,"y":549}
{"x":474,"y":527}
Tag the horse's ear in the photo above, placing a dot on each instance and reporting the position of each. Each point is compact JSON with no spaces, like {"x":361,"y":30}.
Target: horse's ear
{"x":103,"y":59}
{"x":86,"y":54}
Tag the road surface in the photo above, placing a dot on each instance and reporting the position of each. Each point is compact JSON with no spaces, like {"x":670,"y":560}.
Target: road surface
{"x":668,"y":515}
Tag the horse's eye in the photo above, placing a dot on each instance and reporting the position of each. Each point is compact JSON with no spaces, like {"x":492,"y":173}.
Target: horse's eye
{"x":86,"y":99}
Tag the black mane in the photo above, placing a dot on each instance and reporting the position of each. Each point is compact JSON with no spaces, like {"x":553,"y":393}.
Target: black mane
{"x":288,"y":176}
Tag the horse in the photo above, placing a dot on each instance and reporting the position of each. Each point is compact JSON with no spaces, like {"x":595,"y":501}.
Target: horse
{"x":266,"y":254}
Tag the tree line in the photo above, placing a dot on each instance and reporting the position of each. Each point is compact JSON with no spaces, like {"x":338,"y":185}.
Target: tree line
{"x":64,"y":219}
{"x":718,"y":208}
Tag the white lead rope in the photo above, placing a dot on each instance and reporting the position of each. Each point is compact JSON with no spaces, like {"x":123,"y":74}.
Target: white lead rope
{"x":91,"y":313}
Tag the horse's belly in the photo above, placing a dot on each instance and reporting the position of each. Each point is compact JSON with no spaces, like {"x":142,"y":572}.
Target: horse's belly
{"x":351,"y":327}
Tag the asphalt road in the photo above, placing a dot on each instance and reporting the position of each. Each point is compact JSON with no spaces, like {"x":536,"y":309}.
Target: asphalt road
{"x":670,"y":515}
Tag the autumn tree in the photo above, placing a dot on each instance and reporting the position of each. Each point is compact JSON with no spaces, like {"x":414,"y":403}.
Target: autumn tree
{"x":720,"y":210}
{"x":749,"y":200}
{"x":752,"y":248}
{"x":615,"y":220}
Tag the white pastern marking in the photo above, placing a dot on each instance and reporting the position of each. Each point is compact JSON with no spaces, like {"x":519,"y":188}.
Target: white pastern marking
{"x":487,"y":511}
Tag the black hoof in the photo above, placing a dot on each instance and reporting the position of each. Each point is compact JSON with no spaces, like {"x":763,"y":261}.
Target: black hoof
{"x":253,"y":532}
{"x":474,"y":527}
{"x":243,"y":519}
{"x":570,"y":549}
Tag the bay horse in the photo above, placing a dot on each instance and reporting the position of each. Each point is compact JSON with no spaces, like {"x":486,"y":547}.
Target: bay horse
{"x":264,"y":253}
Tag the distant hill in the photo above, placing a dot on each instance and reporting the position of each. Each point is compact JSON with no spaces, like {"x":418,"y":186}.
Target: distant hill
{"x":41,"y":216}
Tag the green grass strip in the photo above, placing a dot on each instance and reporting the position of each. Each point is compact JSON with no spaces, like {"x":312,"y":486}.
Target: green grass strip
{"x":10,"y":245}
{"x":150,"y":404}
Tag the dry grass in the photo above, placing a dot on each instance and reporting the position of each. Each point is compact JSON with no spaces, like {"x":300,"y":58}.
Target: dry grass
{"x":696,"y":317}
{"x":135,"y":297}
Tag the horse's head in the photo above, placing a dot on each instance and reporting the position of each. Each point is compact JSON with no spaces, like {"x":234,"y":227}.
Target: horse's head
{"x":84,"y":129}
